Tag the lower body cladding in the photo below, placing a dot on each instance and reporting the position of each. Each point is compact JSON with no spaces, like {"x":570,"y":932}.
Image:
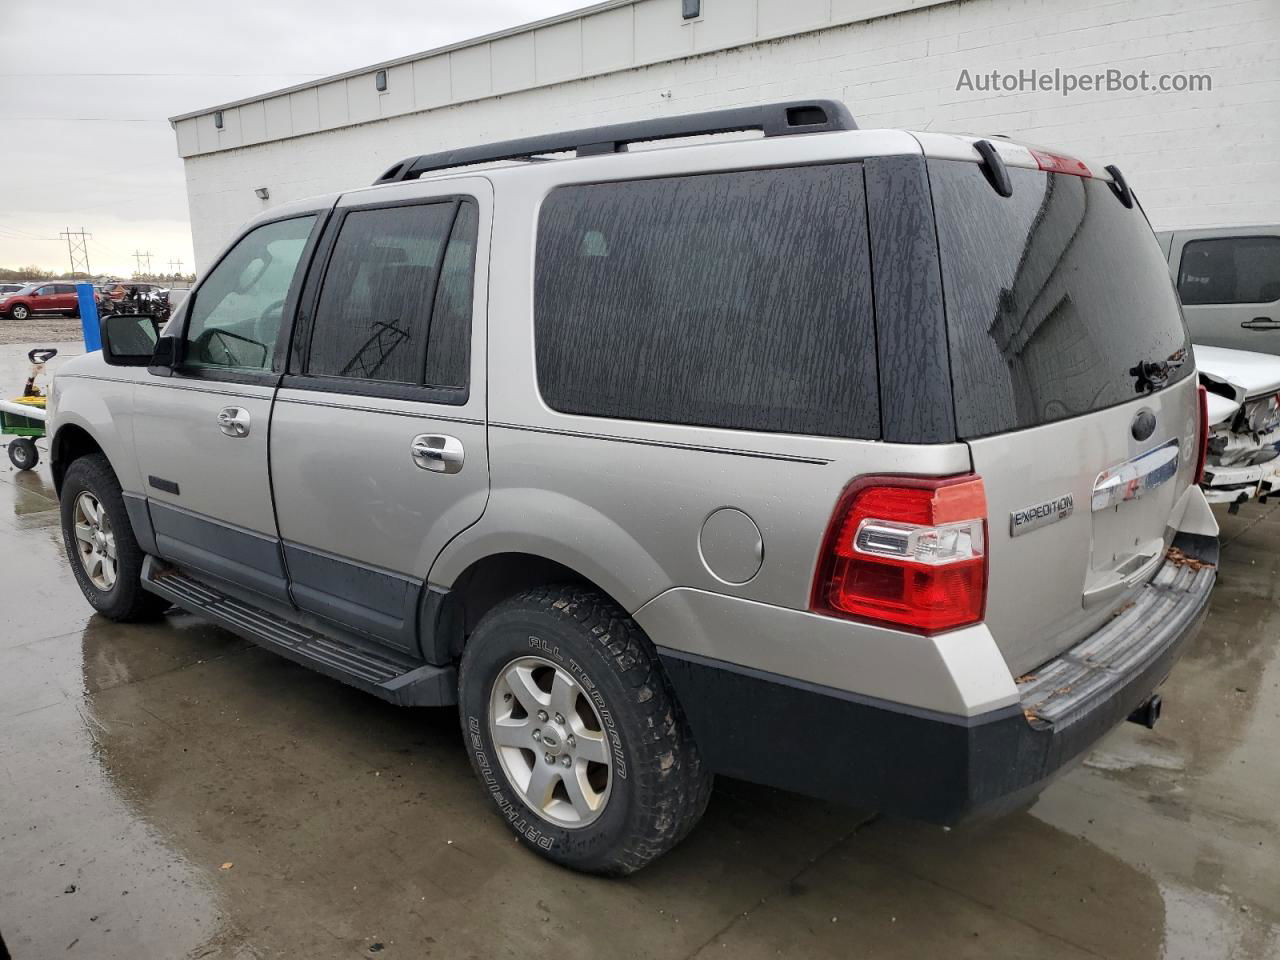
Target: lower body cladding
{"x":920,"y":763}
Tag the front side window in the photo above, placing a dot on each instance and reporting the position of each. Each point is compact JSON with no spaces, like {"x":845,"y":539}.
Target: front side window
{"x":738,"y":300}
{"x":395,"y":305}
{"x":1230,"y":270}
{"x":236,"y":313}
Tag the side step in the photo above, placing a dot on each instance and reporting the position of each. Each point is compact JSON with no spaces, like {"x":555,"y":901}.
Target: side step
{"x":395,"y":678}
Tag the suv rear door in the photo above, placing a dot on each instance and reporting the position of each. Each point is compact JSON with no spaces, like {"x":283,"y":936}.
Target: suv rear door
{"x":201,"y":431}
{"x":378,"y":445}
{"x":1229,"y":282}
{"x":1053,"y":296}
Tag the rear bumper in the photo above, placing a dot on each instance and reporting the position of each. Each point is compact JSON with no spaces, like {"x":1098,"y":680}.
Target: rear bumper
{"x":1240,"y":484}
{"x":903,"y":760}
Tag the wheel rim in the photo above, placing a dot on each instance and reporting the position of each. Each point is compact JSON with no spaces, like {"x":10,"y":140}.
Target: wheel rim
{"x":95,"y":541}
{"x":21,"y":453}
{"x":20,"y":313}
{"x":550,"y":742}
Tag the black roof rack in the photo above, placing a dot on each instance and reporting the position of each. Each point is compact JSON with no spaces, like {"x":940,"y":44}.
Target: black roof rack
{"x":773,"y":119}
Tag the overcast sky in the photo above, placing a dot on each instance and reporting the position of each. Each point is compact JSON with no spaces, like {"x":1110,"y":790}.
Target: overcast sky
{"x":86,"y":87}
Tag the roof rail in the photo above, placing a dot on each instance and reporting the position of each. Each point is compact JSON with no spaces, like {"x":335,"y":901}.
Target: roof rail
{"x":773,"y":119}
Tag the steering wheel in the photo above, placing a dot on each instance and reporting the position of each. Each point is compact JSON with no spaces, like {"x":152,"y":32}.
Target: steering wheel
{"x":267,"y":326}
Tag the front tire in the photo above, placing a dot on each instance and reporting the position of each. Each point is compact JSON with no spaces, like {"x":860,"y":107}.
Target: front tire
{"x":20,"y":312}
{"x":575,"y":733}
{"x":101,"y":548}
{"x":23,"y":453}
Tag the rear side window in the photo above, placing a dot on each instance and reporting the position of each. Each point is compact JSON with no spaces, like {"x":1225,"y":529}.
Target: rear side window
{"x":1052,"y":296}
{"x":738,"y":300}
{"x":449,"y":349}
{"x":373,"y":316}
{"x":1230,"y":270}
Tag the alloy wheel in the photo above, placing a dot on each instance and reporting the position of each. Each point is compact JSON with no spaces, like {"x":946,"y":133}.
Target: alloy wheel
{"x":95,"y":541}
{"x":550,"y":741}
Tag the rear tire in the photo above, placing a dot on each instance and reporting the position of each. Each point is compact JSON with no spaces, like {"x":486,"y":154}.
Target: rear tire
{"x":101,"y":548}
{"x":23,"y":453}
{"x":633,"y":784}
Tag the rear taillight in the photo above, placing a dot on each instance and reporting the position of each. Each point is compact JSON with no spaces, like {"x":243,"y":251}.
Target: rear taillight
{"x":1057,"y":163}
{"x":907,"y":552}
{"x":1203,"y":451}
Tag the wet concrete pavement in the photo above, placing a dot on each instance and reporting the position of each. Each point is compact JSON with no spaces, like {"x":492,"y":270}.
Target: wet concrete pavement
{"x":135,"y":762}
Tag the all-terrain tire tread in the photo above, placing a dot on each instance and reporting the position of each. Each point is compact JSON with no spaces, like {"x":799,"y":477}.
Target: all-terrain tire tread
{"x":131,"y":603}
{"x":674,"y":787}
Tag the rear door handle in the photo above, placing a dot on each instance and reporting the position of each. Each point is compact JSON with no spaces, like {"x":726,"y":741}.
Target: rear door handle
{"x":1261,"y":323}
{"x":234,"y":421}
{"x":437,"y":452}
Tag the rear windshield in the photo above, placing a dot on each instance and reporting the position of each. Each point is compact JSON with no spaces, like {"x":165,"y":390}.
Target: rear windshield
{"x":1053,"y":295}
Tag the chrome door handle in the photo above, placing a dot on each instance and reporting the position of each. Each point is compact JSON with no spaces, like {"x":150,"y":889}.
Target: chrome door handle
{"x":1261,"y":323}
{"x":437,"y":452}
{"x":234,"y":421}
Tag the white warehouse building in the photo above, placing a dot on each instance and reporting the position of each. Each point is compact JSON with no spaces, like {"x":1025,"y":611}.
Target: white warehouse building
{"x":1199,"y":152}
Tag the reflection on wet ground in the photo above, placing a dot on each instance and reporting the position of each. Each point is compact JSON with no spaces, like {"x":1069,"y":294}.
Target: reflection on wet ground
{"x":171,"y":791}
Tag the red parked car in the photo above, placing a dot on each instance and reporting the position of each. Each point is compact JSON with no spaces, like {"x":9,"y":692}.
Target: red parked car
{"x":42,"y":298}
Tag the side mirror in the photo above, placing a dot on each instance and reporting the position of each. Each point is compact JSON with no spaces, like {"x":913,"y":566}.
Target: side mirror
{"x":129,"y":341}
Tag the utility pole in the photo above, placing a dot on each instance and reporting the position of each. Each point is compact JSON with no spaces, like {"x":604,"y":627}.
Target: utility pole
{"x":175,"y":266}
{"x":78,"y":249}
{"x":139,"y":257}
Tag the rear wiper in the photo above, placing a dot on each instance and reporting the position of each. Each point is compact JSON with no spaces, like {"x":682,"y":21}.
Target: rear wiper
{"x":1153,"y":374}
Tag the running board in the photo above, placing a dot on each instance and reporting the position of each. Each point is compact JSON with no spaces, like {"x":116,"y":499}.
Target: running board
{"x":395,"y":678}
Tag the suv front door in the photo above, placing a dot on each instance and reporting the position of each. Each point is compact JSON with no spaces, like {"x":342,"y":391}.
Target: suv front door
{"x":1229,"y":282}
{"x":201,"y":430}
{"x":44,"y":299}
{"x":378,"y":446}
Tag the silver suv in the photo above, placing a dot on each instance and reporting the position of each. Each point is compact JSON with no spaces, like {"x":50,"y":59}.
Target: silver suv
{"x":858,"y":463}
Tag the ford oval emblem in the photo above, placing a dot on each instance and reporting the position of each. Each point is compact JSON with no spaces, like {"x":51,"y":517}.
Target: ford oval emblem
{"x":1144,"y":425}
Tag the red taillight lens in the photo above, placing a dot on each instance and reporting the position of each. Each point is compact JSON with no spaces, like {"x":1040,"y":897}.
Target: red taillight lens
{"x":1057,"y":163}
{"x":908,"y":552}
{"x":1203,"y":453}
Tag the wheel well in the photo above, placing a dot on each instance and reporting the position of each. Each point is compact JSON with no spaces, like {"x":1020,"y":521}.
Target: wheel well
{"x":486,"y":583}
{"x":69,"y":444}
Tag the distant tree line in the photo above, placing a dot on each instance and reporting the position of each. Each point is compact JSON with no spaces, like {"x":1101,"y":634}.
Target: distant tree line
{"x":34,"y":273}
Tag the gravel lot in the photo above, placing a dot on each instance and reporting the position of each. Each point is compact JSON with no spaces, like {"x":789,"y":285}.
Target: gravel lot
{"x":40,"y":330}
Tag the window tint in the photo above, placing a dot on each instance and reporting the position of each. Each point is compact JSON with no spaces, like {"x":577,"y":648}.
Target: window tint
{"x":736,"y":300}
{"x":236,"y":314}
{"x":65,"y":288}
{"x":1230,"y":270}
{"x":1052,"y":296}
{"x":449,"y":349}
{"x":372,"y":319}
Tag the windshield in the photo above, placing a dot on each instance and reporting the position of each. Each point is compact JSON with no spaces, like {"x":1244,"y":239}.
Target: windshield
{"x":1053,"y":295}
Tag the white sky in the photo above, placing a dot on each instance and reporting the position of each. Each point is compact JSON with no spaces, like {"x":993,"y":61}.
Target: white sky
{"x":83,"y":146}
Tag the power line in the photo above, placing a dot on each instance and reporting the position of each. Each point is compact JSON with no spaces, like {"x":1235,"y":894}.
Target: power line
{"x":83,"y":119}
{"x":209,"y":75}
